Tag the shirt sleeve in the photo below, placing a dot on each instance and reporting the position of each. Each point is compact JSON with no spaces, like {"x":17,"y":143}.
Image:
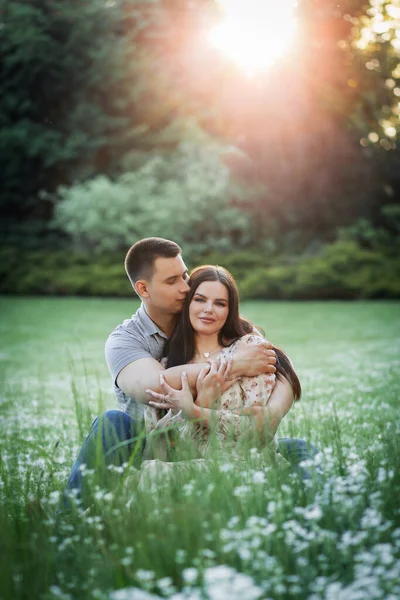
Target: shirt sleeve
{"x":123,"y":348}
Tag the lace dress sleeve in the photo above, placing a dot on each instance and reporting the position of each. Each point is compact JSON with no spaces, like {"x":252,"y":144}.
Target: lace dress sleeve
{"x":248,"y":391}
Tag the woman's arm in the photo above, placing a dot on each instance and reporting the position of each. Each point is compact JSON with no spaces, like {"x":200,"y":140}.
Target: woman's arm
{"x":280,"y":402}
{"x":266,"y":418}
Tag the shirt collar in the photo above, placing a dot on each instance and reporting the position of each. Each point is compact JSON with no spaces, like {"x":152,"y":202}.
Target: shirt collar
{"x":149,"y":325}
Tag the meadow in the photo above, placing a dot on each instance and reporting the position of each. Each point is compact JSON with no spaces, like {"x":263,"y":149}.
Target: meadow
{"x":249,"y":532}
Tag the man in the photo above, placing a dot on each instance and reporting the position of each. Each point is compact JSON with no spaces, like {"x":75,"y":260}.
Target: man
{"x":159,"y":276}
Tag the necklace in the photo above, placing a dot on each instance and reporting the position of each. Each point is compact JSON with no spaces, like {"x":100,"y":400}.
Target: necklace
{"x":207,"y":354}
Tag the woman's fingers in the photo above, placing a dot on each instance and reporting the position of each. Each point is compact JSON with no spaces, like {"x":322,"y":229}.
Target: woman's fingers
{"x":186,"y":395}
{"x":202,"y":374}
{"x":185,"y":382}
{"x":213,"y":371}
{"x":156,"y":395}
{"x":222,"y":371}
{"x":214,"y":368}
{"x":222,"y":365}
{"x":165,"y":386}
{"x":159,"y":404}
{"x":228,"y":368}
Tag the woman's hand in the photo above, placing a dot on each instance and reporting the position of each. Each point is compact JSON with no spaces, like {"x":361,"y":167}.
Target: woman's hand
{"x":212,"y":383}
{"x":174,"y":399}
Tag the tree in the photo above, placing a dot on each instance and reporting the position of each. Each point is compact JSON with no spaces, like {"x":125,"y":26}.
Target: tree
{"x":81,"y":93}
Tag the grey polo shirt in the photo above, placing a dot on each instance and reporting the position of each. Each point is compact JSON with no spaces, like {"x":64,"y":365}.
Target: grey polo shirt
{"x":138,"y":337}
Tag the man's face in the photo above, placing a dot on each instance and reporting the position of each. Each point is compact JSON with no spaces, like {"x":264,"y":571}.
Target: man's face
{"x":168,"y":287}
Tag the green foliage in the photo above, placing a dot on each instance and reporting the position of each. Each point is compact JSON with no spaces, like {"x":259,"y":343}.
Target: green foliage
{"x":48,"y":53}
{"x":182,"y":196}
{"x":342,"y":270}
{"x":240,"y":264}
{"x":76,"y":98}
{"x":383,"y":238}
{"x":61,"y":273}
{"x":97,"y":96}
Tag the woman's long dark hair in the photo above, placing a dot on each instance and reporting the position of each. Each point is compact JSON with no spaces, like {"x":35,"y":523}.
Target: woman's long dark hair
{"x":180,"y":348}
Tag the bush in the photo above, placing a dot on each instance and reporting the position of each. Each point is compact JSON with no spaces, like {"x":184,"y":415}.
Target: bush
{"x":240,"y":264}
{"x":183,"y":196}
{"x":343,"y":270}
{"x":62,"y":273}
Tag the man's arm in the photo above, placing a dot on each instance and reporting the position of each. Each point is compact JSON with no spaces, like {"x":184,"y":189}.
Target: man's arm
{"x":143,"y":374}
{"x":250,"y":359}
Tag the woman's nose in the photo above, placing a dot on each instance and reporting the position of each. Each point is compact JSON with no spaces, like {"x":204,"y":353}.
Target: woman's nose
{"x":207,"y":307}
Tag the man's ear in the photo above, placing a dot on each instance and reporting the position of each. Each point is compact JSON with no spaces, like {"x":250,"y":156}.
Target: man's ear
{"x":141,"y":288}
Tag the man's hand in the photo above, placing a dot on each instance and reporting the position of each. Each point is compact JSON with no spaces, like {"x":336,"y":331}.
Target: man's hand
{"x":212,"y":382}
{"x":251,"y":359}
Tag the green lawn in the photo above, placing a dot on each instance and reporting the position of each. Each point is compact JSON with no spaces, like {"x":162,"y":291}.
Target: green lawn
{"x":235,"y":533}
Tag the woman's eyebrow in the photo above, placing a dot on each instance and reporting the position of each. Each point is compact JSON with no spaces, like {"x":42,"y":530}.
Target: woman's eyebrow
{"x":216,"y":299}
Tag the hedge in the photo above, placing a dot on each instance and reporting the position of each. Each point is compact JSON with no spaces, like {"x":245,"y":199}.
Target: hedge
{"x":343,"y":270}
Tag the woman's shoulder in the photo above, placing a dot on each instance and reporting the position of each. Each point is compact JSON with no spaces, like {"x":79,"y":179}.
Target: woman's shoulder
{"x":250,"y":338}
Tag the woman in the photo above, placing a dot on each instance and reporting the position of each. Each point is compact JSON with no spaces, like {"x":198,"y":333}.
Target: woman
{"x":210,"y":328}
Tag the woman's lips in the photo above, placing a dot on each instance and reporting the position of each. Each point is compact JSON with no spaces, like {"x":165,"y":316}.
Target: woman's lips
{"x":206,"y":320}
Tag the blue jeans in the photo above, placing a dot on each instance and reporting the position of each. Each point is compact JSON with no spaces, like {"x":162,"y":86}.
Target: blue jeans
{"x":116,"y":438}
{"x":296,"y":451}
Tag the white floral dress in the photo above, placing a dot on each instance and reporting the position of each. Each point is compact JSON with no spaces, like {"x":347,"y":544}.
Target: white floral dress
{"x":229,"y":430}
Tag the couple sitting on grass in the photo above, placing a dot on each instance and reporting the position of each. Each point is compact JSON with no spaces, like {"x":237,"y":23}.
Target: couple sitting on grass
{"x":187,"y":364}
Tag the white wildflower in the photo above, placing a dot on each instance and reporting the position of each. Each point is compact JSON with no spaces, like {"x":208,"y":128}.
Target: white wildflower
{"x":190,"y":575}
{"x":132,"y":593}
{"x":54,"y":497}
{"x":241,"y":491}
{"x":226,"y":467}
{"x":313,"y":513}
{"x":223,"y":582}
{"x":259,"y":477}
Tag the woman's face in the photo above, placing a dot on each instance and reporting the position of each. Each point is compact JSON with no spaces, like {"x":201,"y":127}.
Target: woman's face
{"x":209,"y":307}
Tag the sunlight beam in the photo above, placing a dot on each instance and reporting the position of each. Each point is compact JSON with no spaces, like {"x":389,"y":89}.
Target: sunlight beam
{"x":255,"y":33}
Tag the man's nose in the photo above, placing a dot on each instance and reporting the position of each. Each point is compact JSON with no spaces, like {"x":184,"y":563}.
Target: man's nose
{"x":185,"y":287}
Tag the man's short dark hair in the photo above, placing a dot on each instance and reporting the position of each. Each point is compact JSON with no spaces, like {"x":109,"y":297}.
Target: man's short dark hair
{"x":140,"y":258}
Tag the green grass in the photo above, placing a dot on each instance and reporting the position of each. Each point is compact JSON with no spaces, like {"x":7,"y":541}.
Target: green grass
{"x":227,"y":534}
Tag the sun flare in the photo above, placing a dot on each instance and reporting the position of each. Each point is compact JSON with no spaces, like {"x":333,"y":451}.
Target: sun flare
{"x":255,"y":33}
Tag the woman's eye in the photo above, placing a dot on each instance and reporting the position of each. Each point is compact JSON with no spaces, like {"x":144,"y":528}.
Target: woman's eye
{"x":198,"y":300}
